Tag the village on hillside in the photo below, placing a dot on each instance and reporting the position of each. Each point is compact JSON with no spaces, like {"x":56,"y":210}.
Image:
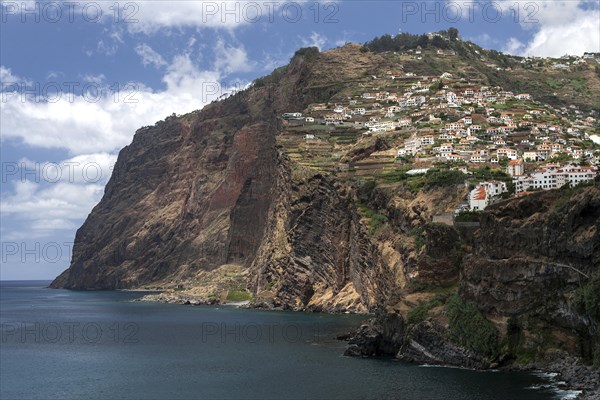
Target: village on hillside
{"x":453,"y":121}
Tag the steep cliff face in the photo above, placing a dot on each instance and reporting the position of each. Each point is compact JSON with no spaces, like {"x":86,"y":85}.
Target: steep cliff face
{"x":532,"y":252}
{"x":517,"y":293}
{"x":316,"y":254}
{"x":211,"y":188}
{"x":188,"y":193}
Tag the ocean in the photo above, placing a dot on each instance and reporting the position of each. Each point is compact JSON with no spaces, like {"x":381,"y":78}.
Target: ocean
{"x":59,"y":344}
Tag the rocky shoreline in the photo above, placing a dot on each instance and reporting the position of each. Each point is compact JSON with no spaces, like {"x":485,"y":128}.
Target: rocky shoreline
{"x":183,"y":298}
{"x":568,"y":373}
{"x":427,"y":343}
{"x":177,"y":298}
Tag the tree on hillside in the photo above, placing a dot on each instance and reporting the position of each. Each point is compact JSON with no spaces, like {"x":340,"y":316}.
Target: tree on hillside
{"x":453,"y":33}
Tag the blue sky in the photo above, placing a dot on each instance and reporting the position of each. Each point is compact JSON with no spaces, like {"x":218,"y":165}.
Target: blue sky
{"x":78,"y":80}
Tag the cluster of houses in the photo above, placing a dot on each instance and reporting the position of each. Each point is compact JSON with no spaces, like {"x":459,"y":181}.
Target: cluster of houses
{"x":456,"y":121}
{"x":554,"y":176}
{"x":451,"y":119}
{"x":546,"y":177}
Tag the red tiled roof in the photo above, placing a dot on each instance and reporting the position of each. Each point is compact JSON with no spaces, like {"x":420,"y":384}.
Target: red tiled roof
{"x":480,"y":194}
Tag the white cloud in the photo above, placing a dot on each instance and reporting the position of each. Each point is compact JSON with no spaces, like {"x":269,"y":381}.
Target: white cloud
{"x":98,"y":79}
{"x":316,"y":40}
{"x":558,"y":27}
{"x":47,"y":203}
{"x":149,"y":56}
{"x":191,"y":42}
{"x":48,"y":197}
{"x":8,"y":78}
{"x":81,"y":169}
{"x":231,"y":59}
{"x":270,"y":61}
{"x":107,"y":48}
{"x":151,"y":16}
{"x":63,"y":200}
{"x":514,"y":46}
{"x":106,"y":122}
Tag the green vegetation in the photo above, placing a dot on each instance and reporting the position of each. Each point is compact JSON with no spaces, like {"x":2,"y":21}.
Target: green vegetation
{"x":587,"y":298}
{"x":561,"y":158}
{"x":417,"y":233}
{"x":435,"y":177}
{"x":376,"y":220}
{"x":443,"y":178}
{"x":398,"y":175}
{"x":366,"y":190}
{"x":419,"y":313}
{"x":468,"y":216}
{"x":307,"y":52}
{"x":406,"y":41}
{"x":238,"y":295}
{"x":273,"y":78}
{"x":469,"y":328}
{"x":486,"y":173}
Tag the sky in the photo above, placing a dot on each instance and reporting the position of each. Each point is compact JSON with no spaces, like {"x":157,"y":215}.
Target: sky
{"x":78,"y":78}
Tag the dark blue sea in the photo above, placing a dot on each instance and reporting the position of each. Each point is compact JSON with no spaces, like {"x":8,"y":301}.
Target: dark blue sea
{"x":59,"y":344}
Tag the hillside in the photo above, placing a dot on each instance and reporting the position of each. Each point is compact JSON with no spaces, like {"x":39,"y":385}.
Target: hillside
{"x":308,"y":191}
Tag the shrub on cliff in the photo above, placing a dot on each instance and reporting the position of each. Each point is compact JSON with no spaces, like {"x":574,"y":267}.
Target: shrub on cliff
{"x":419,"y":313}
{"x":469,"y":328}
{"x":366,"y":190}
{"x":308,"y":53}
{"x":587,"y":298}
{"x":443,"y":178}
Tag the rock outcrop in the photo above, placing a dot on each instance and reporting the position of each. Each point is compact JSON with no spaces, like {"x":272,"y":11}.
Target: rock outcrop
{"x":532,"y":254}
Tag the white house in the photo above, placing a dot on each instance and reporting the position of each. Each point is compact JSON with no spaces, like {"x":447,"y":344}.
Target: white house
{"x":511,"y":154}
{"x":477,"y":158}
{"x":403,"y":151}
{"x":446,"y":148}
{"x":480,"y":197}
{"x":530,"y":156}
{"x":427,"y":140}
{"x":381,"y":126}
{"x":515,"y":168}
{"x":453,"y":157}
{"x":404,"y":122}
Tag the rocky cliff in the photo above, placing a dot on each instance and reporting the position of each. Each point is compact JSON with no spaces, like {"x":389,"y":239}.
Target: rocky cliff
{"x":532,"y":256}
{"x":520,"y":291}
{"x":212,"y":188}
{"x":231,"y":202}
